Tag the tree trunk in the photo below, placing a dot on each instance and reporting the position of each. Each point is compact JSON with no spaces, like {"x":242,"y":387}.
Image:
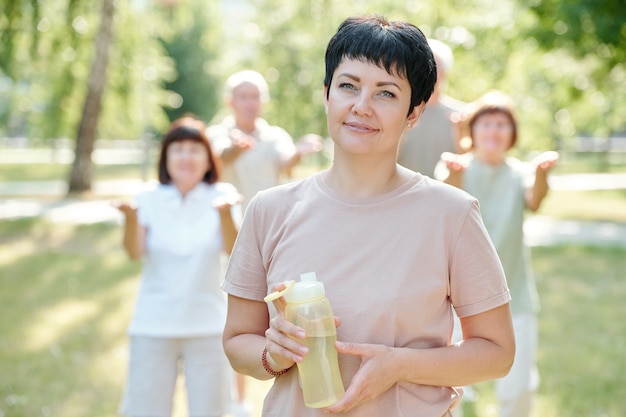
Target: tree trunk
{"x":82,"y":168}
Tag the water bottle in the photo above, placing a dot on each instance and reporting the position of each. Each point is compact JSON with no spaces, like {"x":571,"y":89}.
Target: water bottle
{"x":308,"y":307}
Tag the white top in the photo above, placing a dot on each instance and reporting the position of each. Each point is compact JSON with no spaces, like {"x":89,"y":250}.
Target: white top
{"x":392,"y":266}
{"x":257,"y":168}
{"x":180,"y":293}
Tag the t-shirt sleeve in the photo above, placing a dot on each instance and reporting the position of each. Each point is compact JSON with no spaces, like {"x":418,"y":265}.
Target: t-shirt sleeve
{"x":477,"y":281}
{"x":246,"y":275}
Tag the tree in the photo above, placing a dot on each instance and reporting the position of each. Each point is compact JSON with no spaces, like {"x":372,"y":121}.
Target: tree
{"x":193,"y":43}
{"x":81,"y":174}
{"x":587,"y":40}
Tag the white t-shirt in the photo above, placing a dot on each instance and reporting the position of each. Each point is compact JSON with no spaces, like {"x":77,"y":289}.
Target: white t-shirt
{"x":392,"y":266}
{"x":257,"y":168}
{"x":179,"y":295}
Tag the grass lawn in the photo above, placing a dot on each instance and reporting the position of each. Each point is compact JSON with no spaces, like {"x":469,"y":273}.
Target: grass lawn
{"x":61,"y":172}
{"x":599,"y":205}
{"x":68,"y":291}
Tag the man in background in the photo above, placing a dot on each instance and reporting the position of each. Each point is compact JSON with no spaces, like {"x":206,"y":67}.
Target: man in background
{"x":254,"y":154}
{"x":437,"y":130}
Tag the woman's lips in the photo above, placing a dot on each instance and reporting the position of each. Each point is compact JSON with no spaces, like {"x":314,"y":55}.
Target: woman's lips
{"x":360,"y":127}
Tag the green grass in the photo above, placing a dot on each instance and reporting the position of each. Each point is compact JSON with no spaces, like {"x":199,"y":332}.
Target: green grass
{"x":68,"y":291}
{"x":61,"y":172}
{"x":601,"y":205}
{"x":582,"y":335}
{"x":591,"y":162}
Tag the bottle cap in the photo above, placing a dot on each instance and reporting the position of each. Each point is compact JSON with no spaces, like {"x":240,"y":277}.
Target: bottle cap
{"x":308,"y":288}
{"x":277,"y":294}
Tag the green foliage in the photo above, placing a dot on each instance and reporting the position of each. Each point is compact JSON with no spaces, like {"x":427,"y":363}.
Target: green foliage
{"x":585,"y":42}
{"x":561,"y":61}
{"x":193,"y":46}
{"x":45,"y":78}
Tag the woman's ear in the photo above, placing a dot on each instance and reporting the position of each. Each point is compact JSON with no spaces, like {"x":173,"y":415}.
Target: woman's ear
{"x":415,"y":115}
{"x":325,"y":97}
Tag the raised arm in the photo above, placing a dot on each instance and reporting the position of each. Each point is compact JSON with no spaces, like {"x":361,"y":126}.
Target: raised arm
{"x":229,"y":227}
{"x":544,"y":163}
{"x":455,"y":166}
{"x":134,"y":233}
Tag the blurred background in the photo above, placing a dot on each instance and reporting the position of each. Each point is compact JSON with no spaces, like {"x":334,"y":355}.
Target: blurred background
{"x":87,"y":88}
{"x":121,"y":70}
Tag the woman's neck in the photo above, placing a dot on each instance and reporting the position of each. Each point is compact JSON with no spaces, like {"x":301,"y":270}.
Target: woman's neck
{"x":365,"y":180}
{"x":185,"y":189}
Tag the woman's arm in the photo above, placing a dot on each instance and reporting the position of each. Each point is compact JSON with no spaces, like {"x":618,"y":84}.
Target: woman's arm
{"x":134,"y":233}
{"x":544,"y":163}
{"x":486,"y":352}
{"x":229,"y":227}
{"x":248,"y":331}
{"x":455,"y":168}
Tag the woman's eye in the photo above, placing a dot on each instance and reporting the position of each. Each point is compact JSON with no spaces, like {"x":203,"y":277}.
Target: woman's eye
{"x":346,"y":86}
{"x":388,"y":94}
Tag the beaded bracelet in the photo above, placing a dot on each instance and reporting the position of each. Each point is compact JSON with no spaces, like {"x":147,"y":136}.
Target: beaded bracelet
{"x":268,"y":368}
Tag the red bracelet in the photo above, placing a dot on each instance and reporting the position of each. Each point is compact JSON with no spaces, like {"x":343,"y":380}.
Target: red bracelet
{"x":268,"y":368}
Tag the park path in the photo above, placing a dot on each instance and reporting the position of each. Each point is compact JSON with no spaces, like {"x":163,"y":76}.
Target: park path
{"x":48,"y":199}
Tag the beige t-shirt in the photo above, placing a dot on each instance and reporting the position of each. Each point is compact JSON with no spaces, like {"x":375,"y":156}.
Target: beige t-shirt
{"x":391,"y":265}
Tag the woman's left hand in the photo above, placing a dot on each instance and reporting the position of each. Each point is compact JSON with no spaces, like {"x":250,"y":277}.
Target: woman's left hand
{"x":225,"y":202}
{"x":375,"y":376}
{"x":546,"y":160}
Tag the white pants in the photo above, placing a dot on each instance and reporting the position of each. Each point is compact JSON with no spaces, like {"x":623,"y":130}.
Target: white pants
{"x":515,"y":391}
{"x":154,"y":368}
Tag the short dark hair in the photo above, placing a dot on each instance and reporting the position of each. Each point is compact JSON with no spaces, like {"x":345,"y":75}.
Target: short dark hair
{"x":187,"y":128}
{"x":398,"y":47}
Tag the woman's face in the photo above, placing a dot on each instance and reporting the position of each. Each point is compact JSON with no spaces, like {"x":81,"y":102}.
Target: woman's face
{"x":492,"y":135}
{"x":367,"y":108}
{"x":187,"y":163}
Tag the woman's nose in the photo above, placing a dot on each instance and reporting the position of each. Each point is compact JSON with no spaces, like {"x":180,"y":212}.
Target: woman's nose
{"x":362,"y":105}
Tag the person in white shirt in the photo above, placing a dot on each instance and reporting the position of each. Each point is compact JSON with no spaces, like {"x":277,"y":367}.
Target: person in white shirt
{"x":255,"y":155}
{"x":180,"y":230}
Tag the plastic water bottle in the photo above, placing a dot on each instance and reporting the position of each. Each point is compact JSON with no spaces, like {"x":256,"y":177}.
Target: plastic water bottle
{"x":308,"y":307}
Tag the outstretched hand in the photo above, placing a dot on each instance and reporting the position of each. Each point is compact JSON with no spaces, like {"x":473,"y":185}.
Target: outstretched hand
{"x":374,"y":377}
{"x":127,"y":209}
{"x":222,"y":203}
{"x":242,"y":140}
{"x":546,"y":160}
{"x":454,"y":162}
{"x":309,"y":143}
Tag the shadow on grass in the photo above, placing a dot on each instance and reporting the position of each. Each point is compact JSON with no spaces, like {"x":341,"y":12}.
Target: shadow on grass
{"x":67,"y":293}
{"x":582,"y":336}
{"x":66,"y":296}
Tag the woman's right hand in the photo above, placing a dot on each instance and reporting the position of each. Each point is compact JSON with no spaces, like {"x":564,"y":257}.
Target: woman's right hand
{"x":129,"y":210}
{"x":283,"y":341}
{"x":282,"y":336}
